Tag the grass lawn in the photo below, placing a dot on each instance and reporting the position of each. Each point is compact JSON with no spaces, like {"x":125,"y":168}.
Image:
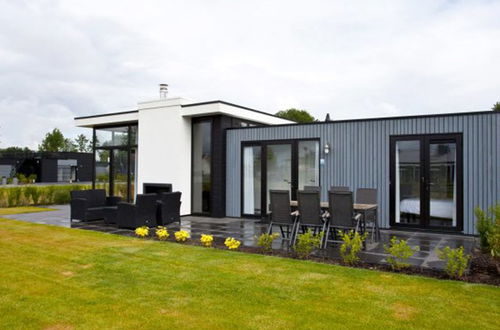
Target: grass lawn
{"x":24,"y":209}
{"x":53,"y":277}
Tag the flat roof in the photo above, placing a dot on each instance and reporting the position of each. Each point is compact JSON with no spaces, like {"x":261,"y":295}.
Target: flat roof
{"x":446,"y":114}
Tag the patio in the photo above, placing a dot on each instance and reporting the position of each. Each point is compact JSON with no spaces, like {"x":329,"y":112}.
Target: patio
{"x":246,"y":230}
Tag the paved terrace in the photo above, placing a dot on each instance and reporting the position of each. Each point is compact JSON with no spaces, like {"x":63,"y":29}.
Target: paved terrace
{"x":247,"y":230}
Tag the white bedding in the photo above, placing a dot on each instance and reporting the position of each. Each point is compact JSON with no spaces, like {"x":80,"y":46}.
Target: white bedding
{"x":440,"y":208}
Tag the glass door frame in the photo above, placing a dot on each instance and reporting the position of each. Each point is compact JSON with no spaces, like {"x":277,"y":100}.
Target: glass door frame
{"x":131,"y":145}
{"x":425,"y":141}
{"x":294,"y":144}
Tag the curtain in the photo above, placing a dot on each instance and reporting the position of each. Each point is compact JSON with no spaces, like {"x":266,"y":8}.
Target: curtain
{"x":248,"y":178}
{"x":397,"y":183}
{"x":454,"y":168}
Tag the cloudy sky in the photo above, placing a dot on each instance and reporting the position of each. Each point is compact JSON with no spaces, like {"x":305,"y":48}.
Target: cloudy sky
{"x":353,"y":59}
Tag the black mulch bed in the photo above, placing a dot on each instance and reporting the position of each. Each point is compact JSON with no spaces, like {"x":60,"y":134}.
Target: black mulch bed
{"x":483,"y":268}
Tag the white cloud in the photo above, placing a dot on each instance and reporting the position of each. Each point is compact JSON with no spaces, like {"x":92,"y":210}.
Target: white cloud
{"x":60,"y":59}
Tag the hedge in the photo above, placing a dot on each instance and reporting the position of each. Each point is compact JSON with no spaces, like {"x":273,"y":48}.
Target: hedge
{"x":37,"y":195}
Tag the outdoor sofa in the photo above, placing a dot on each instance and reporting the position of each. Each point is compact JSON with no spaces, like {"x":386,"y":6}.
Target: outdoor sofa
{"x":92,"y":204}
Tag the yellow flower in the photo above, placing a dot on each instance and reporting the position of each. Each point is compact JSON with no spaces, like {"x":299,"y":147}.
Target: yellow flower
{"x":142,"y":231}
{"x":181,"y":236}
{"x":206,"y":240}
{"x":162,"y":233}
{"x":231,"y":243}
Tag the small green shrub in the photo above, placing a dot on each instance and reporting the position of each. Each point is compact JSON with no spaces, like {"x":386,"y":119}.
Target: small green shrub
{"x":352,"y":243}
{"x":22,"y":178}
{"x":494,"y":238}
{"x":456,"y":261}
{"x":265,"y":241}
{"x":484,"y":226}
{"x":32,"y":178}
{"x":399,"y":251}
{"x":307,"y":242}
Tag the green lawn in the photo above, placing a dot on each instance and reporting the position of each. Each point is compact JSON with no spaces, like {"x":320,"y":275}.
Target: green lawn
{"x":58,"y":278}
{"x":23,"y":209}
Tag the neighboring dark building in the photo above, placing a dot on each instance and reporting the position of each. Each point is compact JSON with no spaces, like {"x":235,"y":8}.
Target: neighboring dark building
{"x":48,"y":166}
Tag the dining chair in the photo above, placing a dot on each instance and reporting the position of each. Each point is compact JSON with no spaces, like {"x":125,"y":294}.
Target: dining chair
{"x":281,"y":214}
{"x":341,"y":214}
{"x":309,"y":213}
{"x":369,"y":196}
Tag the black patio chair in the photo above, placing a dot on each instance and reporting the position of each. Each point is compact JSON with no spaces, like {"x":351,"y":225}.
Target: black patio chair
{"x":369,"y":196}
{"x":310,"y":215}
{"x":169,"y":208}
{"x":281,"y":214}
{"x":339,"y":188}
{"x":341,"y":215}
{"x":142,"y":213}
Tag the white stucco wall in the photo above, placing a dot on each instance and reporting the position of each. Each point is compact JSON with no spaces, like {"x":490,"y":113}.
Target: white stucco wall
{"x":165,"y":147}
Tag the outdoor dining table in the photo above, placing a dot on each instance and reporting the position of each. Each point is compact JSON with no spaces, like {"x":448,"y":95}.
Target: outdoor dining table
{"x":360,"y":208}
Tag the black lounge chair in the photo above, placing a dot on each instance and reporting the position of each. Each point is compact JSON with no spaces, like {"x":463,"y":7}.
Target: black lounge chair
{"x":341,"y":215}
{"x":310,"y":215}
{"x":169,"y":208}
{"x":142,"y":213}
{"x":91,"y":204}
{"x":369,"y":196}
{"x":281,"y":215}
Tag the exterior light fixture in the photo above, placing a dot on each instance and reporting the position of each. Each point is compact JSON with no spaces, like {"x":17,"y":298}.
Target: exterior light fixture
{"x":326,"y":148}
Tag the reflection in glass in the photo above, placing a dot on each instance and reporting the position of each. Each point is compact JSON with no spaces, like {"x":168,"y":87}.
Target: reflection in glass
{"x":120,"y":161}
{"x":202,"y":157}
{"x":252,"y":180}
{"x":132,"y":169}
{"x":112,"y":136}
{"x":308,"y":164}
{"x":279,"y":168}
{"x":407,"y":176}
{"x":102,"y":170}
{"x":442,"y":184}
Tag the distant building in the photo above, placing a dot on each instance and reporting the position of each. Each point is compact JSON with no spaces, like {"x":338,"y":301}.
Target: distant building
{"x":48,"y":166}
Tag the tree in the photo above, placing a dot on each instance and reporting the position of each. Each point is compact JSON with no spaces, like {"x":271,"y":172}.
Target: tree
{"x":83,"y":144}
{"x":54,"y":141}
{"x":496,"y":107}
{"x":297,"y":115}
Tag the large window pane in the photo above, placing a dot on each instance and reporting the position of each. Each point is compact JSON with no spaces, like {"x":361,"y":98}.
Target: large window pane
{"x":252,"y":180}
{"x":442,"y":184}
{"x":120,"y":160}
{"x":308,"y":164}
{"x":113,"y":136}
{"x":279,"y":168}
{"x":408,"y":171}
{"x":132,"y":169}
{"x":102,"y":169}
{"x":202,"y":158}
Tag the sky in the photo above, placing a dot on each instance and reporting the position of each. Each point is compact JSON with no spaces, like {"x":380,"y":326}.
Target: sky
{"x":352,"y":59}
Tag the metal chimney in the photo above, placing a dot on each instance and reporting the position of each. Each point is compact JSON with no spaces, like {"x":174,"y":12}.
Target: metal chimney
{"x":163,"y":91}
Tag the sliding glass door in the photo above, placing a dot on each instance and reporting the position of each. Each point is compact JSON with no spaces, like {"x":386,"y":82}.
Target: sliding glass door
{"x":279,"y":168}
{"x":252,"y":180}
{"x":202,"y":167}
{"x":276,"y":165}
{"x":426,"y":181}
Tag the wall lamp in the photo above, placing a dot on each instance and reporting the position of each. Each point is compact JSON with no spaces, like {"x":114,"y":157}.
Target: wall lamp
{"x":326,"y":148}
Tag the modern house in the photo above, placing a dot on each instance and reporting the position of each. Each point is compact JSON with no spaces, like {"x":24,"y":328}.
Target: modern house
{"x":49,"y":167}
{"x":430,"y":171}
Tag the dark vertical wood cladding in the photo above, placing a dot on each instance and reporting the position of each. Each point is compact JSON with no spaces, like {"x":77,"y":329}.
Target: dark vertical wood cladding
{"x":220,"y":123}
